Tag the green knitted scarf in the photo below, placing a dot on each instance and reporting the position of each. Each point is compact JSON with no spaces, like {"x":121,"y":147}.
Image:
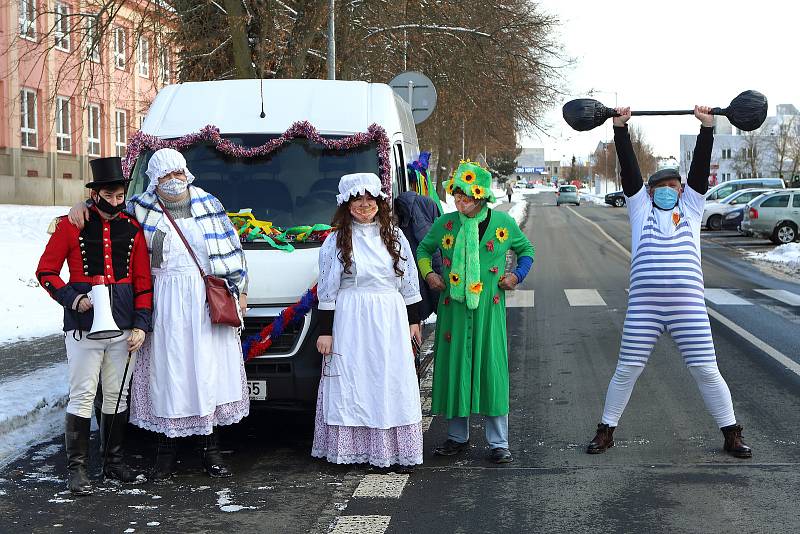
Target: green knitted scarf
{"x":465,"y":275}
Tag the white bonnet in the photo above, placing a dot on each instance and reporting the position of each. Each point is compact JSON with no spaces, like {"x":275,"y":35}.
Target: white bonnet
{"x":351,"y":185}
{"x":165,"y":161}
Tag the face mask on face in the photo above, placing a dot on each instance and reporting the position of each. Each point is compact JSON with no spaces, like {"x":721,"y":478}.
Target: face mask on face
{"x":665,"y":198}
{"x":364,"y":212}
{"x":174,"y":186}
{"x":106,"y":207}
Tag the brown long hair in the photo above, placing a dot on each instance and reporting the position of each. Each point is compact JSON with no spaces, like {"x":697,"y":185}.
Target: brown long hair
{"x":343,"y":222}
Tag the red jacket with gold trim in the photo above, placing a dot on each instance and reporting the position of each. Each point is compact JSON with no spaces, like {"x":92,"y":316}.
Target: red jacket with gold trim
{"x":112,"y":248}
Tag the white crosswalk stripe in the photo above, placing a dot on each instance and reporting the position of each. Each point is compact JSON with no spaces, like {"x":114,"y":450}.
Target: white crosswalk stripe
{"x":388,"y":486}
{"x":519,"y":298}
{"x":584,"y":297}
{"x":725,"y":298}
{"x":787,"y":297}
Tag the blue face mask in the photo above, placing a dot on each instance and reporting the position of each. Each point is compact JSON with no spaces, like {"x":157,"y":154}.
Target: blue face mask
{"x":665,"y":198}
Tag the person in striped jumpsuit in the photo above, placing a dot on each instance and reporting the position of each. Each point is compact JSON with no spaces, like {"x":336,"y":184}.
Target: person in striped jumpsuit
{"x":666,"y":284}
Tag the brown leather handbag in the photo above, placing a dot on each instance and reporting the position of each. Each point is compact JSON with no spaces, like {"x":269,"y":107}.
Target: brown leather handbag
{"x":222,"y":305}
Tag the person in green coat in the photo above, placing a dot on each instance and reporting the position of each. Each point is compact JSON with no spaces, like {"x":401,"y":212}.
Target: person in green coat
{"x":471,"y":365}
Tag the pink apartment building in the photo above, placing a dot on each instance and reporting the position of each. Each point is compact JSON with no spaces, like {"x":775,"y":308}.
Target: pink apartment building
{"x":73,"y":86}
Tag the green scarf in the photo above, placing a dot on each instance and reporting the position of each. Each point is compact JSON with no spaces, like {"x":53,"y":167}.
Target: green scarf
{"x":465,"y":275}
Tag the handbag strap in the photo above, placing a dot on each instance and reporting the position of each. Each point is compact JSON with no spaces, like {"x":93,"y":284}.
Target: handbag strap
{"x":183,"y":238}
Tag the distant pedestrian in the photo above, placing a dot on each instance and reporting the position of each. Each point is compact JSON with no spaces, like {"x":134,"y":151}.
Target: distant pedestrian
{"x":471,"y":363}
{"x":368,"y":406}
{"x":666,"y":284}
{"x":509,"y":189}
{"x":109,"y":249}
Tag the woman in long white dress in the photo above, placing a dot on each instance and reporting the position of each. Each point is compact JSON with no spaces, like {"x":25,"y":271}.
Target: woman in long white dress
{"x":368,"y":406}
{"x":189,"y":377}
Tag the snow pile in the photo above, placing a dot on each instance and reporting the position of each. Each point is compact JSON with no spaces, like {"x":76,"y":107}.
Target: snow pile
{"x":26,"y":310}
{"x":787,"y":255}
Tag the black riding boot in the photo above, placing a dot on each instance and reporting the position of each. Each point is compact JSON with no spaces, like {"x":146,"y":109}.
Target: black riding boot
{"x":166,"y":458}
{"x":112,"y":439}
{"x":76,"y":441}
{"x":211,"y":456}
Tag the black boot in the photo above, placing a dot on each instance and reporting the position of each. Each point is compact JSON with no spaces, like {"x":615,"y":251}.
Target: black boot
{"x":76,"y":441}
{"x":212,"y":458}
{"x":734,"y":444}
{"x":604,"y":439}
{"x":166,"y":458}
{"x":111,"y":446}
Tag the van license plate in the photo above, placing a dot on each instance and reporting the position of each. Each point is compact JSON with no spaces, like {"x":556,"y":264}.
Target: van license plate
{"x":257,"y":389}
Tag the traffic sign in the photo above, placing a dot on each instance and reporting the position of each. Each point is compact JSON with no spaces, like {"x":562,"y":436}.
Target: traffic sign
{"x":418,"y":90}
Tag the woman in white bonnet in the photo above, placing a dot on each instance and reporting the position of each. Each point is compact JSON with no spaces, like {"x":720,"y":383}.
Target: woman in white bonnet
{"x":189,"y":376}
{"x":368,"y":407}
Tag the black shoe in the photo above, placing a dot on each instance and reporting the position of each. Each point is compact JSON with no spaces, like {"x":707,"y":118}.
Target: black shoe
{"x":113,"y":437}
{"x":501,"y":455}
{"x":450,"y":448}
{"x":166,"y":458}
{"x":603,"y":439}
{"x":76,"y":442}
{"x":211,"y":457}
{"x":734,"y":444}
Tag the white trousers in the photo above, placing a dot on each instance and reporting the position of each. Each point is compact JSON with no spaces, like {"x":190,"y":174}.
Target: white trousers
{"x":90,"y":361}
{"x":715,"y":392}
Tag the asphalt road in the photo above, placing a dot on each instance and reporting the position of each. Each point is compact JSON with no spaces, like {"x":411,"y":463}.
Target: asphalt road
{"x":666,"y":474}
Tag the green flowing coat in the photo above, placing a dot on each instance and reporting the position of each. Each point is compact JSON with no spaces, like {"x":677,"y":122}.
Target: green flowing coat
{"x":471,"y":363}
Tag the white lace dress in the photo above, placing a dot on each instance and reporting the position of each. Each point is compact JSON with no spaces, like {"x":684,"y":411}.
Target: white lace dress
{"x":368,"y":406}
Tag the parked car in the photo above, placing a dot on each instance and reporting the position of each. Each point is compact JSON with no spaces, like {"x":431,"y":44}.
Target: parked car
{"x":733,"y":219}
{"x":568,"y":194}
{"x":715,"y":212}
{"x":720,"y":191}
{"x":616,"y":199}
{"x":522,"y":183}
{"x":775,"y":216}
{"x":530,"y":185}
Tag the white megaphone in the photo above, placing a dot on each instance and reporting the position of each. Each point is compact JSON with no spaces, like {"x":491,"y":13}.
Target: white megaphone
{"x":103,"y":325}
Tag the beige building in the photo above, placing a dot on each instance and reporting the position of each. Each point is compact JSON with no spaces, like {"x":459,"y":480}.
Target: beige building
{"x":70,"y":92}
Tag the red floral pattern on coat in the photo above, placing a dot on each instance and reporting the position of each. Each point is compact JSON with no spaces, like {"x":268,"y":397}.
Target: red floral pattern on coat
{"x":496,"y":299}
{"x":448,"y":336}
{"x":446,"y":301}
{"x":494,"y":270}
{"x":449,"y":225}
{"x":447,"y":263}
{"x":490,"y":245}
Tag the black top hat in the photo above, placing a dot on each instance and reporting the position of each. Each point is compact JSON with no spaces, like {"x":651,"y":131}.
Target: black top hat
{"x":663,"y":174}
{"x":107,"y":172}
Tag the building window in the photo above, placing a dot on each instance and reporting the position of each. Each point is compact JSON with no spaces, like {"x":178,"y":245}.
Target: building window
{"x":144,"y":57}
{"x":726,"y":153}
{"x":27,"y":19}
{"x":166,"y":65}
{"x":121,"y":135}
{"x":726,"y":176}
{"x":61,"y":29}
{"x":63,"y":125}
{"x":119,"y":48}
{"x":688,"y":155}
{"x":27,"y":119}
{"x":92,"y":39}
{"x":93,"y":147}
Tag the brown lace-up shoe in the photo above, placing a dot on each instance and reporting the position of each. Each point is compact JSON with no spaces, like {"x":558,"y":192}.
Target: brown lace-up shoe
{"x":604,"y":439}
{"x":734,"y":444}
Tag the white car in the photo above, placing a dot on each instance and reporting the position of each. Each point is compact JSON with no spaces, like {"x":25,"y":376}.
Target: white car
{"x":715,"y":212}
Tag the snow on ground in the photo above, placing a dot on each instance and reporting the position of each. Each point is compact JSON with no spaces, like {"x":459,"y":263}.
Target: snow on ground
{"x":26,"y":311}
{"x":784,"y":255}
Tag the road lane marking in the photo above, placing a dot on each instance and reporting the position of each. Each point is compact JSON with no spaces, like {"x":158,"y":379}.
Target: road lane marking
{"x":519,"y":298}
{"x":787,"y":297}
{"x":584,"y":297}
{"x":361,"y":524}
{"x":725,"y":298}
{"x":388,"y":486}
{"x":752,"y":339}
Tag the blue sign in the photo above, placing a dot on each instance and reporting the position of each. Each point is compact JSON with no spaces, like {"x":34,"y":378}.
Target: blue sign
{"x":538,"y":170}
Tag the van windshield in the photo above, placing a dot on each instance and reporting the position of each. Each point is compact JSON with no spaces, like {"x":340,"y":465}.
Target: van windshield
{"x":295,"y":185}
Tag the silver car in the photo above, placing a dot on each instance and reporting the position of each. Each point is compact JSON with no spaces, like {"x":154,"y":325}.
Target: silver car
{"x":567,"y":194}
{"x":775,"y":216}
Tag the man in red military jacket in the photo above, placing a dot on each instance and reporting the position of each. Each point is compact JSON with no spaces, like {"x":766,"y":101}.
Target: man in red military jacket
{"x":111,"y":248}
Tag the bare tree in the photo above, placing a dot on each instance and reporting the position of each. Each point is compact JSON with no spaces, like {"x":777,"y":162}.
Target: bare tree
{"x":780,"y":147}
{"x":748,"y":159}
{"x":643,"y":151}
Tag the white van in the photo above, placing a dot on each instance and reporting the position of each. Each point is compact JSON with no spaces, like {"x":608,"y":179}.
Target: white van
{"x":720,"y":191}
{"x":295,"y":185}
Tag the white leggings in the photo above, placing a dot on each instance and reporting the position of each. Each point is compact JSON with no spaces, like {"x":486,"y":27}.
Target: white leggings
{"x":712,"y":387}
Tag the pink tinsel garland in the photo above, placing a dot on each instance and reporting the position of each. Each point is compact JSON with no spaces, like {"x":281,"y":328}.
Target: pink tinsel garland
{"x":375,"y":133}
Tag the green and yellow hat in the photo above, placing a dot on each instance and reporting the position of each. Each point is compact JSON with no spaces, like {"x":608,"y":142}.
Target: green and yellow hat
{"x":473,"y":180}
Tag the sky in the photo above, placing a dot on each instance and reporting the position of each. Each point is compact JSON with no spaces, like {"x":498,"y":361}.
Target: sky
{"x":669,"y":55}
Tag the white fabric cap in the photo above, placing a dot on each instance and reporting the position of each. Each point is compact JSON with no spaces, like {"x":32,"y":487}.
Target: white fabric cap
{"x":351,"y":185}
{"x":165,"y":161}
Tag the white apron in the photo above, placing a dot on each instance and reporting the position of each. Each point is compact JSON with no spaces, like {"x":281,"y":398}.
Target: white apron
{"x":195,"y":364}
{"x":376,"y":386}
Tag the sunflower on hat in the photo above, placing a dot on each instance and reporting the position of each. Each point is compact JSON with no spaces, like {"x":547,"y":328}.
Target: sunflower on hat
{"x":473,"y":180}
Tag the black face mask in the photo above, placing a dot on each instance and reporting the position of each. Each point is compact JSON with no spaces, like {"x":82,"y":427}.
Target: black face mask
{"x":106,"y":207}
